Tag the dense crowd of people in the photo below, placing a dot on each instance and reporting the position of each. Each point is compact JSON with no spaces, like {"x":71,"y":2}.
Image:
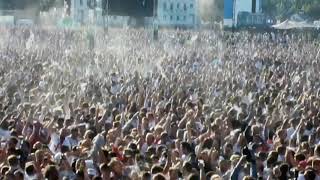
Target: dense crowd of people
{"x":193,"y":105}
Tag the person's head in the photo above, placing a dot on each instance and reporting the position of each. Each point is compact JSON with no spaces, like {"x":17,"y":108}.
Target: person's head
{"x":294,"y":122}
{"x":173,"y":173}
{"x":18,"y":175}
{"x":186,"y":169}
{"x":80,"y":175}
{"x":51,"y":172}
{"x":156,"y":169}
{"x":159,"y":176}
{"x":145,"y":176}
{"x":284,"y":169}
{"x":193,"y":177}
{"x":317,"y":151}
{"x":9,"y":176}
{"x":105,"y":171}
{"x":60,"y":122}
{"x":272,"y":158}
{"x":215,"y":177}
{"x":300,"y":157}
{"x":164,"y":138}
{"x":116,"y":166}
{"x":149,"y":139}
{"x":316,"y":165}
{"x":74,"y":132}
{"x":248,"y":178}
{"x":227,"y":150}
{"x":30,"y":169}
{"x":224,"y":165}
{"x":67,"y":123}
{"x":89,"y":134}
{"x":4,"y":170}
{"x":13,"y":161}
{"x":309,"y":175}
{"x":186,"y":148}
{"x":12,"y":142}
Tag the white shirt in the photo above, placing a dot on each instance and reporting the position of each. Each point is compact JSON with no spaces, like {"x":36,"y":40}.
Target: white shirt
{"x":290,"y":131}
{"x":54,"y":143}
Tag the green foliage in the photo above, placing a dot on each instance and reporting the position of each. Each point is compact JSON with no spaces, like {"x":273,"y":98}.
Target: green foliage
{"x":281,"y":9}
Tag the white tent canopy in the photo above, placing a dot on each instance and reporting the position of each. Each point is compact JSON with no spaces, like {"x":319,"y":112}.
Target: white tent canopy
{"x":7,"y":20}
{"x":288,"y":24}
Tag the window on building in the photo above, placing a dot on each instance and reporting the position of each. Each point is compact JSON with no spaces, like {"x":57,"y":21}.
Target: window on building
{"x":184,"y":18}
{"x":164,"y":6}
{"x":171,"y":18}
{"x":178,"y":5}
{"x":171,"y":6}
{"x":184,"y":6}
{"x":192,"y":19}
{"x":191,"y":6}
{"x":81,"y":16}
{"x":178,"y":18}
{"x":81,"y":2}
{"x":164,"y":17}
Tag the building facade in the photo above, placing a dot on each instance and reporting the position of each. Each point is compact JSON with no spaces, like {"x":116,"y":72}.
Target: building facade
{"x":79,"y":11}
{"x":169,"y":13}
{"x":179,"y":13}
{"x":232,"y":8}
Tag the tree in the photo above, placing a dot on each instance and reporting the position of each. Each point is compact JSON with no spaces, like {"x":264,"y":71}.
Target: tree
{"x":282,"y":9}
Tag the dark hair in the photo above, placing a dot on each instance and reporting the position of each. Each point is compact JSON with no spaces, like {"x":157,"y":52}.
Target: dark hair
{"x":284,"y":168}
{"x":159,"y":176}
{"x":13,"y":160}
{"x":30,"y":170}
{"x":79,"y":174}
{"x":309,"y":175}
{"x":207,"y":144}
{"x":300,"y":157}
{"x":309,"y":125}
{"x":146,"y":175}
{"x":51,"y":172}
{"x":105,"y":167}
{"x":193,"y":177}
{"x":187,"y":166}
{"x":187,"y":146}
{"x":156,"y":169}
{"x":4,"y":169}
{"x":64,"y":149}
{"x":97,"y":178}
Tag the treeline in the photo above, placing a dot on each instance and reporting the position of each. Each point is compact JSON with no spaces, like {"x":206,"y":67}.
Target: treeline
{"x":42,"y":5}
{"x":282,"y":9}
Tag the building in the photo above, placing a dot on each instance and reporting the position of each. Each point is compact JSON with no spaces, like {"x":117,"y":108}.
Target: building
{"x":232,"y":9}
{"x":177,"y":13}
{"x":78,"y":10}
{"x":169,"y":13}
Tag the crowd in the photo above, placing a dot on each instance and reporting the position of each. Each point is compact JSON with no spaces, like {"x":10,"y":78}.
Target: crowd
{"x":194,"y":105}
